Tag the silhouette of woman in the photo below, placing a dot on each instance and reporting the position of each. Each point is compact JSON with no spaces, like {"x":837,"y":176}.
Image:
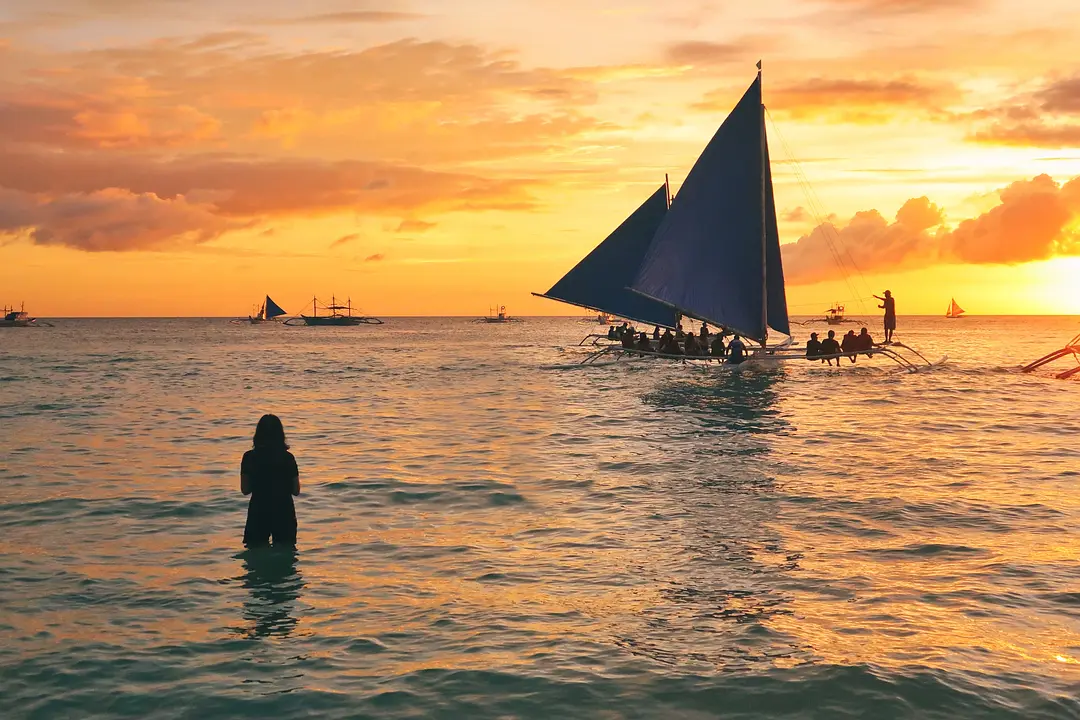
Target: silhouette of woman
{"x":268,"y":473}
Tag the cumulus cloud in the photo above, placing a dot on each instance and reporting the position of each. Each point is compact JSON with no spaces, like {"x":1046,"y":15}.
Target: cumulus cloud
{"x":110,"y":220}
{"x":1034,"y":220}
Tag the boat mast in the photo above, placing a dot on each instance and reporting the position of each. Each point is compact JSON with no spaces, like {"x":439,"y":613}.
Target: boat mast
{"x":667,"y":190}
{"x":764,"y":223}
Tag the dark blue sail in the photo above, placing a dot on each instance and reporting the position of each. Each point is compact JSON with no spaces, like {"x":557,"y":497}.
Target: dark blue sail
{"x":599,"y":282}
{"x":708,"y":259}
{"x":273,"y":310}
{"x":774,"y":265}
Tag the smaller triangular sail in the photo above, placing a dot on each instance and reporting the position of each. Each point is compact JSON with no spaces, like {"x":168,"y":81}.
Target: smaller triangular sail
{"x":599,"y":282}
{"x":954,"y":309}
{"x":273,"y":310}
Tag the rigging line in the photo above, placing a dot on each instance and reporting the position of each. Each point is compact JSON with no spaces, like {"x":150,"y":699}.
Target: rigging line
{"x":817,"y":209}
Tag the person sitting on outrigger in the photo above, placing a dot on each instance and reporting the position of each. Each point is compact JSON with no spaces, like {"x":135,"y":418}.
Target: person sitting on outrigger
{"x":656,"y":333}
{"x":736,"y":351}
{"x":849,"y":344}
{"x":813,"y":347}
{"x":628,"y":340}
{"x":690,"y":345}
{"x":643,"y":342}
{"x":829,"y":346}
{"x":669,"y":345}
{"x":718,"y":348}
{"x":679,"y":334}
{"x":612,"y":334}
{"x":865,"y":341}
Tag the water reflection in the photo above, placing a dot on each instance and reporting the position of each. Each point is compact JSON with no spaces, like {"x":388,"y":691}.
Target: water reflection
{"x":743,"y":401}
{"x":273,"y":583}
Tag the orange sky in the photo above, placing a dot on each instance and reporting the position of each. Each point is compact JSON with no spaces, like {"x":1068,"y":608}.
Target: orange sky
{"x":165,"y":158}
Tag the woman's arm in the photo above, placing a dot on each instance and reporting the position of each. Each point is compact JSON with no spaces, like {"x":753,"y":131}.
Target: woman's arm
{"x":245,"y":484}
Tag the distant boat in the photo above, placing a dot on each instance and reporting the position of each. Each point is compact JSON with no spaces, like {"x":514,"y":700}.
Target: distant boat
{"x":334,"y":316}
{"x":269,"y":310}
{"x":19,"y":318}
{"x":954,"y":311}
{"x":500,"y":317}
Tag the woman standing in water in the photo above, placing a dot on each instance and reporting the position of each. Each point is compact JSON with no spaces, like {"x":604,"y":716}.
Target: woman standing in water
{"x":268,"y":473}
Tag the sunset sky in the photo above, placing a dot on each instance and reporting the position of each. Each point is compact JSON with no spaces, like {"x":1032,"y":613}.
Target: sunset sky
{"x":186,"y":157}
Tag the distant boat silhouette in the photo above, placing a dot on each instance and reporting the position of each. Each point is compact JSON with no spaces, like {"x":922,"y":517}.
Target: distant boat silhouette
{"x":954,"y":311}
{"x":269,"y":310}
{"x":335,"y":317}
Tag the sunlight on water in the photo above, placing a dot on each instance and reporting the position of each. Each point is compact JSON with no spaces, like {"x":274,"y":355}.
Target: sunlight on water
{"x":482,"y":538}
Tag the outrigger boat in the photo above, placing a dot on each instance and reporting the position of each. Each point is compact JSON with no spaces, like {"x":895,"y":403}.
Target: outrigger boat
{"x":335,"y":317}
{"x":500,"y":317}
{"x":20,"y":318}
{"x":712,"y":253}
{"x":1071,"y":348}
{"x":954,"y":311}
{"x":268,"y":311}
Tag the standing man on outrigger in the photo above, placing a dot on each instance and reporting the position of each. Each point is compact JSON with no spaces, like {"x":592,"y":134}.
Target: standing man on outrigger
{"x":888,"y":303}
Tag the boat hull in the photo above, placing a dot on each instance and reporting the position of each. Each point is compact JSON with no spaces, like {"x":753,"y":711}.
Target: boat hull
{"x":339,"y":321}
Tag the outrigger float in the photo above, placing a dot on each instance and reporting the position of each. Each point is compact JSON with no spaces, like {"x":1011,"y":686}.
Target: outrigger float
{"x":335,"y":317}
{"x":712,"y":253}
{"x":1072,"y":348}
{"x":266,"y":312}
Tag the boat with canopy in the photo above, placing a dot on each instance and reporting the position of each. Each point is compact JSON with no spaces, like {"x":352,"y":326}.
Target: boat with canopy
{"x":1071,"y":349}
{"x":335,"y":315}
{"x":713,"y":254}
{"x":954,"y":311}
{"x":499,"y":317}
{"x":268,"y":311}
{"x":13,"y":318}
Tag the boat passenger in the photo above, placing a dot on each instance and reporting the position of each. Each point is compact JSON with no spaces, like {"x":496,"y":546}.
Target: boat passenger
{"x":704,"y":333}
{"x":849,"y":344}
{"x":888,"y":304}
{"x":829,"y":346}
{"x":736,"y":351}
{"x":690,"y":345}
{"x":656,"y":332}
{"x":866,"y":342}
{"x":643,"y":343}
{"x":669,"y":345}
{"x":628,"y":340}
{"x":718,"y":348}
{"x":679,"y":334}
{"x":268,"y":473}
{"x":813,"y":347}
{"x":623,"y":329}
{"x":611,"y":334}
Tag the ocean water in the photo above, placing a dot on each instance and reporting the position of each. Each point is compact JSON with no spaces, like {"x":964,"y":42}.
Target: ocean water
{"x":480,"y":538}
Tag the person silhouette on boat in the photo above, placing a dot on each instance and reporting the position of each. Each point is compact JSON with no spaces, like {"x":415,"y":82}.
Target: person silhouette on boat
{"x":612,"y":334}
{"x":669,"y":345}
{"x":718,"y":349}
{"x":643,"y":343}
{"x":625,"y":328}
{"x":888,"y":304}
{"x":865,"y":342}
{"x":813,"y":347}
{"x":736,"y":351}
{"x":679,"y":334}
{"x":690,"y":345}
{"x":656,"y":333}
{"x":629,"y":339}
{"x":830,"y":347}
{"x":268,"y":473}
{"x":849,"y":345}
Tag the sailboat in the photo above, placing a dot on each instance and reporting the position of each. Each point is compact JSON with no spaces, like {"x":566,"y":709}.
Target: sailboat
{"x":269,"y":310}
{"x":715,"y":253}
{"x":954,"y":311}
{"x":599,"y":281}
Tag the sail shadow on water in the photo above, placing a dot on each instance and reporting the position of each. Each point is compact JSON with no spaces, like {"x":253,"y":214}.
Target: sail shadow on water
{"x":273,"y":583}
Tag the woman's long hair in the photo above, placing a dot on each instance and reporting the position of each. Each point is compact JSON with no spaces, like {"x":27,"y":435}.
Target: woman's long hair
{"x":269,"y":434}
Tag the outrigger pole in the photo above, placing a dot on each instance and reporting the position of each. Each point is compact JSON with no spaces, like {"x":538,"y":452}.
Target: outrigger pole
{"x":1072,"y":348}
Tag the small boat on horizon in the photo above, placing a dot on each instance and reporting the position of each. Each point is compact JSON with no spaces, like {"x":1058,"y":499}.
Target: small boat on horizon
{"x":19,"y":318}
{"x":954,"y":311}
{"x":335,"y":316}
{"x":500,"y":317}
{"x":268,"y":311}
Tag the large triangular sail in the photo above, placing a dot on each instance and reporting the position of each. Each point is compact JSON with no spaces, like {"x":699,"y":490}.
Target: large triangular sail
{"x":716,"y":255}
{"x":273,"y":310}
{"x":954,"y":309}
{"x":599,"y":282}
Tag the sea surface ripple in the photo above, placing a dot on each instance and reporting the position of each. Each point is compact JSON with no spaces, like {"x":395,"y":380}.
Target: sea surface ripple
{"x":483,"y":538}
